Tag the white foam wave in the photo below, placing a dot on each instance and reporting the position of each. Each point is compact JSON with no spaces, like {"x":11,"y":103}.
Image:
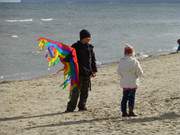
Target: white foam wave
{"x":174,"y":48}
{"x":141,"y":55}
{"x":98,"y":63}
{"x":20,"y":20}
{"x":47,"y":19}
{"x":2,"y":77}
{"x":14,"y":36}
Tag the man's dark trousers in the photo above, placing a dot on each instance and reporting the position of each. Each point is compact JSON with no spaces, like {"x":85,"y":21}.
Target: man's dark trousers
{"x":82,"y":93}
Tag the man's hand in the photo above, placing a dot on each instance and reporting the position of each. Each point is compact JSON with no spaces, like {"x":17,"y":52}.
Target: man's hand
{"x":93,"y":75}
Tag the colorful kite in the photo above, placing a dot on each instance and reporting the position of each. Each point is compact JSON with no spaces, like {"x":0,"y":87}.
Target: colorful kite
{"x":58,"y":52}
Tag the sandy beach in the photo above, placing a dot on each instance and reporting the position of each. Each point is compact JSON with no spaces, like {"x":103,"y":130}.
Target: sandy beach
{"x":35,"y":107}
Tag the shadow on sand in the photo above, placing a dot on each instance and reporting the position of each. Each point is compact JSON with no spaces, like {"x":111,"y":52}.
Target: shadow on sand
{"x":29,"y":117}
{"x":166,"y":116}
{"x":67,"y":123}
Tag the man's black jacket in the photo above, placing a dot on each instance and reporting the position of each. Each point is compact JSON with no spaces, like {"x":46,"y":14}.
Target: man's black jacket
{"x":86,"y":58}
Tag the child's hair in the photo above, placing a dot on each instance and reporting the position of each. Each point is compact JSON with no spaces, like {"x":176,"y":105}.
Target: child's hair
{"x":178,"y":41}
{"x":128,"y":50}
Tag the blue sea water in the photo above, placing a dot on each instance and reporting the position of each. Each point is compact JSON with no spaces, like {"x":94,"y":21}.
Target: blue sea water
{"x":150,"y":28}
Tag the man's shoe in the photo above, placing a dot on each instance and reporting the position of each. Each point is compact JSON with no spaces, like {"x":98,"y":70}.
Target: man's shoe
{"x":68,"y":111}
{"x":132,"y":114}
{"x":83,"y":109}
{"x":125,"y":115}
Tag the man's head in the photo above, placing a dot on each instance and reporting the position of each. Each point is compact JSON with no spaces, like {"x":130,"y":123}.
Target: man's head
{"x":85,"y":36}
{"x":178,"y":41}
{"x":128,"y":51}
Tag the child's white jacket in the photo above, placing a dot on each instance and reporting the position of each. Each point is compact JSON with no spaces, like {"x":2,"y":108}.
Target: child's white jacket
{"x":129,"y":70}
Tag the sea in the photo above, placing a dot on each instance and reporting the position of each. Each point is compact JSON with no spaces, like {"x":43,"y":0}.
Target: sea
{"x":151,"y":28}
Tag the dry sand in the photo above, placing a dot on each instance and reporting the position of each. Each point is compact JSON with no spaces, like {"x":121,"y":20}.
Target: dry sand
{"x":35,"y":107}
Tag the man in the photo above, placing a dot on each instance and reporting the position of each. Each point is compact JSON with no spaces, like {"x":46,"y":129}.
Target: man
{"x":129,"y":70}
{"x":87,"y":69}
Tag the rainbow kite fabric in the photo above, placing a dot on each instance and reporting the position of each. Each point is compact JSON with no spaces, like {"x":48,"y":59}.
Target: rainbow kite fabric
{"x":58,"y":52}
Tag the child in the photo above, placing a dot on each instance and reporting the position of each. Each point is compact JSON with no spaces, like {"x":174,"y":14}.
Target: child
{"x":129,"y":70}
